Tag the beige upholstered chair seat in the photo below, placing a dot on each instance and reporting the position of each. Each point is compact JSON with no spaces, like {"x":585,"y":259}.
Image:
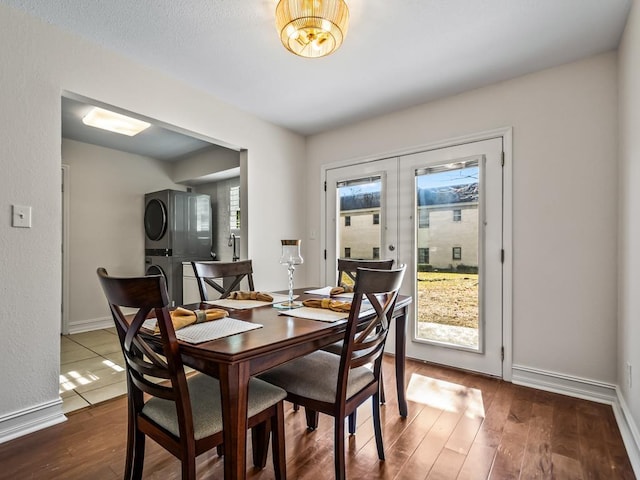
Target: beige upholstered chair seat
{"x":204,"y":392}
{"x":314,"y":376}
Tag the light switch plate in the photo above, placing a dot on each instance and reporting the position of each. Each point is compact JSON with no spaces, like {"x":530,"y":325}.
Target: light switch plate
{"x":21,"y":217}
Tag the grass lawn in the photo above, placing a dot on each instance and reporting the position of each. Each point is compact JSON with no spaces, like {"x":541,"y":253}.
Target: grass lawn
{"x":448,"y":298}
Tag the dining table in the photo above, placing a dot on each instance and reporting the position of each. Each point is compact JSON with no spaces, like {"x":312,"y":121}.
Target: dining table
{"x":234,"y":359}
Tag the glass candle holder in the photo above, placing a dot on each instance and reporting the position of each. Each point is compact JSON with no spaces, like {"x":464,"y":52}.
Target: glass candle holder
{"x":291,"y":257}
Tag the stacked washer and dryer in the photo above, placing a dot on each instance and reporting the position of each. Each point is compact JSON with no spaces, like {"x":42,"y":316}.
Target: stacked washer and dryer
{"x":177,"y":228}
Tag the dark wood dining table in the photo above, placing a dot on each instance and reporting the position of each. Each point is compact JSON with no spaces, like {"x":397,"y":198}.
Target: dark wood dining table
{"x":234,"y":359}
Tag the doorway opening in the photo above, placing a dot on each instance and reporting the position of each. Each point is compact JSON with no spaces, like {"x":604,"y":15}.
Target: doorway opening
{"x":106,"y":177}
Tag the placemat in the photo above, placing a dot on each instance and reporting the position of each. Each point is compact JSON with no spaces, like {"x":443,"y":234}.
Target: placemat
{"x":207,"y":331}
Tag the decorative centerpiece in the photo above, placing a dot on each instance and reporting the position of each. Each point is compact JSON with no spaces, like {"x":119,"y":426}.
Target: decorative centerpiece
{"x":290,"y":257}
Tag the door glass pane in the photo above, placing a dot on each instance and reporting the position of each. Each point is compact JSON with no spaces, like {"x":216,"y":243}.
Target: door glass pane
{"x":447,"y":243}
{"x":359,"y":234}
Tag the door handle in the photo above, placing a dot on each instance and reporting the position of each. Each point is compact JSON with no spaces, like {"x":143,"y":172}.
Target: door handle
{"x":392,"y":247}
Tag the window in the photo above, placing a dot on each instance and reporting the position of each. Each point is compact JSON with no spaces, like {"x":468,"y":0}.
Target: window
{"x":347,"y":220}
{"x":423,"y":255}
{"x":376,"y":219}
{"x":376,"y":253}
{"x":457,"y":253}
{"x":347,"y":252}
{"x":234,"y":208}
{"x":457,"y":215}
{"x":423,"y":218}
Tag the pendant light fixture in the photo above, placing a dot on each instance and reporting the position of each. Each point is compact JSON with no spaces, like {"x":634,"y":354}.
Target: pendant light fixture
{"x":312,"y":28}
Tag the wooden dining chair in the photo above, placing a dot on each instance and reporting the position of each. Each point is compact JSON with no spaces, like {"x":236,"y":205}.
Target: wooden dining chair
{"x":347,"y":268}
{"x":224,"y":277}
{"x":342,"y":383}
{"x":181,"y":414}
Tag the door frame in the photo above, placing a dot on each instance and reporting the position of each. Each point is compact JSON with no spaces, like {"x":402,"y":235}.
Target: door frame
{"x":506,"y":134}
{"x":64,"y":241}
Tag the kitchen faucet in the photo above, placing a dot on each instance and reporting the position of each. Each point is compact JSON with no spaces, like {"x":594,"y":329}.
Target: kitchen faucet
{"x":234,"y":241}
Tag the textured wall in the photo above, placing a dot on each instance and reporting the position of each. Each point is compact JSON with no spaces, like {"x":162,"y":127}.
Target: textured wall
{"x":39,"y":63}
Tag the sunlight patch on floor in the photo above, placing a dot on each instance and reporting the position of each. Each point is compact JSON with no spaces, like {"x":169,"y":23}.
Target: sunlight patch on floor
{"x":113,"y":366}
{"x":73,"y":379}
{"x":76,"y":379}
{"x":447,"y":396}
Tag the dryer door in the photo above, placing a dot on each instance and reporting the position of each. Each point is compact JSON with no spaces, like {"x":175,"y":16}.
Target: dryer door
{"x":171,"y":272}
{"x":156,"y":270}
{"x":155,"y":219}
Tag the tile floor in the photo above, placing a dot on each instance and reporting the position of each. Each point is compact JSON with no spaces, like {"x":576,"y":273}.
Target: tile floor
{"x":91,"y":369}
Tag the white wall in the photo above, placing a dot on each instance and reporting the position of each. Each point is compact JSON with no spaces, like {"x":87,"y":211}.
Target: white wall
{"x":564,"y":150}
{"x":629,"y":233}
{"x":39,"y":63}
{"x":106,"y":214}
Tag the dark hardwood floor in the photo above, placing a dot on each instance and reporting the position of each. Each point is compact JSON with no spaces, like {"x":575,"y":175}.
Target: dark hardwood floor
{"x":460,"y":426}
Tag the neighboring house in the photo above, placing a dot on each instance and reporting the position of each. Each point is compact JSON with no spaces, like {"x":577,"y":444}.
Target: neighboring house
{"x":447,"y":227}
{"x":359,"y":228}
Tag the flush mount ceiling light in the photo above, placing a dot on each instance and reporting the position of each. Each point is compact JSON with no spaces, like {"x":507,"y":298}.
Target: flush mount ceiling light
{"x":114,"y":122}
{"x":312,"y":28}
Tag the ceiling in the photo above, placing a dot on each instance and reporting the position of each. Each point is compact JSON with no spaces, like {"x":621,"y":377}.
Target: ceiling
{"x":156,"y":141}
{"x":396,"y":54}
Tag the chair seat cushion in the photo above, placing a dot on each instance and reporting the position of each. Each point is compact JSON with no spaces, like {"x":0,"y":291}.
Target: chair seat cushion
{"x":204,"y":392}
{"x":315,"y":376}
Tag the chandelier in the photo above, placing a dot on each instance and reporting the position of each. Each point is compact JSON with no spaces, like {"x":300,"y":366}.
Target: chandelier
{"x":312,"y":28}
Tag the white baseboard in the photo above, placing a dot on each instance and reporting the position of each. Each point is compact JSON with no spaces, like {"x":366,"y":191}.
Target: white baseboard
{"x":588,"y":390}
{"x":629,"y":431}
{"x":90,"y":324}
{"x":564,"y":384}
{"x":29,"y":420}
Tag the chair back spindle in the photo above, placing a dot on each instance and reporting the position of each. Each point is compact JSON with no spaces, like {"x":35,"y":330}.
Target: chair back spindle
{"x":223,"y":277}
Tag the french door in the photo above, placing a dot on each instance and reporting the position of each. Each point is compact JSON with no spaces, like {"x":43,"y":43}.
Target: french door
{"x":440,"y":212}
